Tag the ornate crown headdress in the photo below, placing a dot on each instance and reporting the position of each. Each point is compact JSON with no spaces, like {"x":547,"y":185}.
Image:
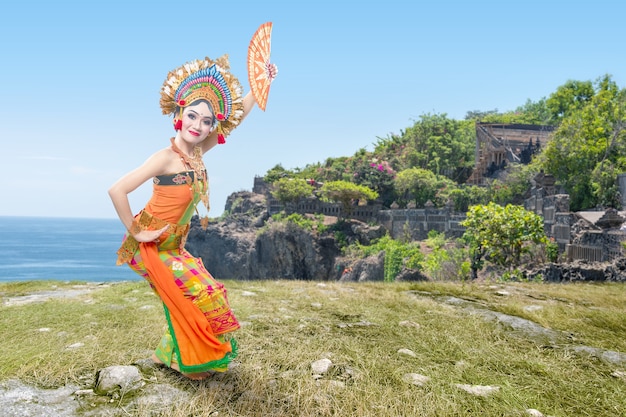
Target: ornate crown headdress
{"x":209,"y":80}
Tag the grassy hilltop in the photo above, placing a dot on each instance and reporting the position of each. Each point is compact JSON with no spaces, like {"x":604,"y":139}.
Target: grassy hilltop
{"x":393,"y":349}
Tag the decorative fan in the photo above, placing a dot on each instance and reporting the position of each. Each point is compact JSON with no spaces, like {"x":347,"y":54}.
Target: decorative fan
{"x":259,"y":64}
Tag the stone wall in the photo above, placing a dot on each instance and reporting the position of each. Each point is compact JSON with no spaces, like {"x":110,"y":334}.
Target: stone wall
{"x":401,"y":223}
{"x":556,"y":215}
{"x":597,"y":246}
{"x":416,"y":223}
{"x":366,"y":214}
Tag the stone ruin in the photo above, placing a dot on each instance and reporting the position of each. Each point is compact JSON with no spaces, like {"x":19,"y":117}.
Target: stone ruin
{"x":594,"y":236}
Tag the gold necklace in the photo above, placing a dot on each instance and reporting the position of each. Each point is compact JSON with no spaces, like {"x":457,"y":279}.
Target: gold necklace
{"x":196,"y":164}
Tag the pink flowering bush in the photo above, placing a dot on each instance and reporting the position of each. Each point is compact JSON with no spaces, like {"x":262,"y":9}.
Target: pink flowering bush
{"x":377,"y":175}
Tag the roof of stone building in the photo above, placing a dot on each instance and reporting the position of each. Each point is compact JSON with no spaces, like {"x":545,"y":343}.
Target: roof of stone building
{"x":594,"y":216}
{"x":519,"y":126}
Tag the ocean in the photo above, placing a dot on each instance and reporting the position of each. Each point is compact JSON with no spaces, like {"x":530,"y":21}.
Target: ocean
{"x":64,"y":249}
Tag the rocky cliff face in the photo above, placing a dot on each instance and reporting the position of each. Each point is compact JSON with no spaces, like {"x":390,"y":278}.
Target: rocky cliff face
{"x":581,"y":271}
{"x":247,"y":245}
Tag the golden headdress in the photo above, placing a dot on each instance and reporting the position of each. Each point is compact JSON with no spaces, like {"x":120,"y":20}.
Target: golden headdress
{"x":209,"y":80}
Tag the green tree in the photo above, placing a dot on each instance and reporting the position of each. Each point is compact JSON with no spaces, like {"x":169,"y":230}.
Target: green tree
{"x":568,"y":98}
{"x":530,"y":113}
{"x":604,"y":184}
{"x":519,"y":176}
{"x":513,"y":186}
{"x":501,"y":234}
{"x":397,"y":255}
{"x":591,"y":138}
{"x":479,"y":115}
{"x":377,"y":175}
{"x":273,"y":174}
{"x":435,"y":143}
{"x":311,"y":171}
{"x":465,"y":196}
{"x":291,"y":190}
{"x":421,"y":185}
{"x":346,"y":193}
{"x":335,"y":169}
{"x":534,"y":113}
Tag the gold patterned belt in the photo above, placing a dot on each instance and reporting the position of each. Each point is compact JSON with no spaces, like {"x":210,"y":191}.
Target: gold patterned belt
{"x":174,"y":237}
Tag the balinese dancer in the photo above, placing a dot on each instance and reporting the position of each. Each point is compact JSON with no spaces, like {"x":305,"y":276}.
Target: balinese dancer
{"x":207,"y":103}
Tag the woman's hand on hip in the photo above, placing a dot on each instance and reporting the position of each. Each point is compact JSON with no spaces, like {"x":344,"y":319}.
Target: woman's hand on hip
{"x":150,"y":235}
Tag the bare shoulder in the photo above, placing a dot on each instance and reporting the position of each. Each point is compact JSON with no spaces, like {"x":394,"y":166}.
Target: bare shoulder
{"x":163,"y":156}
{"x":164,"y":161}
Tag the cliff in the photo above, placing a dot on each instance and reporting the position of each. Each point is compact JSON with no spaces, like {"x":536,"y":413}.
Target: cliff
{"x":247,"y":244}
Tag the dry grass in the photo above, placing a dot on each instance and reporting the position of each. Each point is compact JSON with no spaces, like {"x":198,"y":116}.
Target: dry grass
{"x":287,"y":325}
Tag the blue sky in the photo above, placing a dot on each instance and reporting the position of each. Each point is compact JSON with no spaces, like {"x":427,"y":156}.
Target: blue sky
{"x":80,"y":81}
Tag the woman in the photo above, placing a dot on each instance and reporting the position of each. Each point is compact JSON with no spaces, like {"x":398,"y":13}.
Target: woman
{"x":207,"y":104}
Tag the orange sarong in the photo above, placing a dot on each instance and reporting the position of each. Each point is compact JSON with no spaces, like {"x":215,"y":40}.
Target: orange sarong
{"x":196,"y":308}
{"x":196,"y":343}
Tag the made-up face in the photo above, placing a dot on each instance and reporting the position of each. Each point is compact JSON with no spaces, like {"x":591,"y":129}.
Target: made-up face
{"x":197,"y":123}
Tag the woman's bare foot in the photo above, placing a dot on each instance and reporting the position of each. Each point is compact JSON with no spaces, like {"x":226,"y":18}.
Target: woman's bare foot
{"x":195,"y":376}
